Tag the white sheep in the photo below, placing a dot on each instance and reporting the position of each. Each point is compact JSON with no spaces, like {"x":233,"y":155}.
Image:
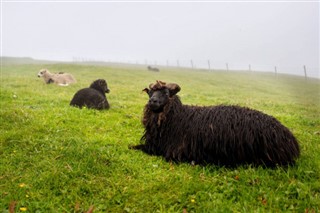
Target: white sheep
{"x":62,"y":79}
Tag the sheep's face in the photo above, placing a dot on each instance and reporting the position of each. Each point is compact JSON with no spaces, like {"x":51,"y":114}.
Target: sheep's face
{"x":104,"y":86}
{"x":100,"y":85}
{"x":158,"y":99}
{"x":42,"y":72}
{"x":160,"y":94}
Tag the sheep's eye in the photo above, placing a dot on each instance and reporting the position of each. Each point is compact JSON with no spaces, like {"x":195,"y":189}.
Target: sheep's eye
{"x":166,"y":92}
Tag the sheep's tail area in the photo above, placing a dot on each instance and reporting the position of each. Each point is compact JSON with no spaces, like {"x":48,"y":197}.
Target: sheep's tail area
{"x":240,"y":135}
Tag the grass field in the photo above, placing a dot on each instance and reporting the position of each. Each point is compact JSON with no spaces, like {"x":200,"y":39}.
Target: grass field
{"x":55,"y":158}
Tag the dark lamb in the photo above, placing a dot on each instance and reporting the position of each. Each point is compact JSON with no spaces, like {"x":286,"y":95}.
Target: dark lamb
{"x":221,"y":135}
{"x":93,"y":97}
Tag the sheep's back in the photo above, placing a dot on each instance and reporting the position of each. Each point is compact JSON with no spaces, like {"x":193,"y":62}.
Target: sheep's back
{"x":89,"y":97}
{"x":227,"y":135}
{"x":64,"y":78}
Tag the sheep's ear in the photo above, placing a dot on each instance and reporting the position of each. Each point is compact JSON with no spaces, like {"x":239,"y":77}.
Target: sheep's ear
{"x":146,"y":90}
{"x":173,"y":88}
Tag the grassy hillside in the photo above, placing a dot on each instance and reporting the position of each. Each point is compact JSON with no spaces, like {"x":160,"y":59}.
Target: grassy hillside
{"x":55,"y":158}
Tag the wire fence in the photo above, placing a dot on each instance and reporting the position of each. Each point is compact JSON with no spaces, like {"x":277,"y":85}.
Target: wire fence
{"x":302,"y":70}
{"x":210,"y":65}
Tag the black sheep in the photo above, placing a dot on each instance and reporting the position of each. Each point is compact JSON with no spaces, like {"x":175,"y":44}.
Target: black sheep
{"x":221,"y":135}
{"x":155,"y":69}
{"x":93,"y":97}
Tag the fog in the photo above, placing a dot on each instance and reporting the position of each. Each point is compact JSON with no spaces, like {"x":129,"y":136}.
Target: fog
{"x":260,"y":34}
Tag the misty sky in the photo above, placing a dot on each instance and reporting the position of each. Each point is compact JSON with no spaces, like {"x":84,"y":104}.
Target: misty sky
{"x":263,"y":34}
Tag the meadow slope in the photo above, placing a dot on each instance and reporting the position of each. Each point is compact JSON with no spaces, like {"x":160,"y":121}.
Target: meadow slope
{"x":56,"y":158}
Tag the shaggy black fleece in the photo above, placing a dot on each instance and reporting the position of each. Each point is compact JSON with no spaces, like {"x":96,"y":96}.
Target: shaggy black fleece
{"x":221,"y":135}
{"x":93,"y":97}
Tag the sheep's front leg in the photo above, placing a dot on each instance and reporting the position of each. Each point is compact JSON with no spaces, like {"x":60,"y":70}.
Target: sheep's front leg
{"x":137,"y":147}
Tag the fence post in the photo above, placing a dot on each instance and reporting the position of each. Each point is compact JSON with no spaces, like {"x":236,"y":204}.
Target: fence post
{"x":227,"y":65}
{"x":191,"y":64}
{"x":275,"y":70}
{"x":305,"y":72}
{"x":209,"y":65}
{"x":249,"y":67}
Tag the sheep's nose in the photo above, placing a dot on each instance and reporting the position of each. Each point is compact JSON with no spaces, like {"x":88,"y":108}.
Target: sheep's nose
{"x":153,"y":101}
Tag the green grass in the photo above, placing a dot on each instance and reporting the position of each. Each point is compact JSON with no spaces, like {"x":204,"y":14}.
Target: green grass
{"x":56,"y":158}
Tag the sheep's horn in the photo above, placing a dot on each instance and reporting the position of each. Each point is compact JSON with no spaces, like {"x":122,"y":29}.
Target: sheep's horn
{"x":161,"y":83}
{"x":157,"y":85}
{"x":151,"y":86}
{"x":173,"y":88}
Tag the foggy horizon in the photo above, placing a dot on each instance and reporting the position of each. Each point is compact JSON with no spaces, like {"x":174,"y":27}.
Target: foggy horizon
{"x":257,"y":34}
